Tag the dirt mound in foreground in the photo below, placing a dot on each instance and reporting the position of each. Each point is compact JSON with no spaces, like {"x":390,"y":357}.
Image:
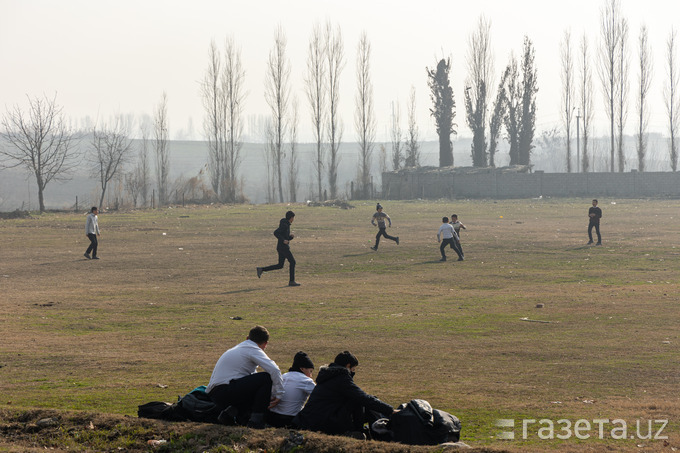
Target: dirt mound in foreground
{"x":39,"y":429}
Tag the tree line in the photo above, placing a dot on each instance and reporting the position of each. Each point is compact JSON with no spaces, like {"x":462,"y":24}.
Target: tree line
{"x":41,"y":140}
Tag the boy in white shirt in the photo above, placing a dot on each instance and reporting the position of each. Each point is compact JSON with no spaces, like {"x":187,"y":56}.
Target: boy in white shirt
{"x":298,"y":384}
{"x":446,"y":235}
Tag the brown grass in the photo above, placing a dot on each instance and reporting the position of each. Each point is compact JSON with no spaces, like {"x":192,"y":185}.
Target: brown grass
{"x":156,"y":309}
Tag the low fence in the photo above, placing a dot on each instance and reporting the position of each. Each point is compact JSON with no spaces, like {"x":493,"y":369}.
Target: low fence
{"x":495,"y":183}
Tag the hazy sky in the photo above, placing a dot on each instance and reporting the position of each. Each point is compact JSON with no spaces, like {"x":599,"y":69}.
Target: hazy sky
{"x":106,"y":57}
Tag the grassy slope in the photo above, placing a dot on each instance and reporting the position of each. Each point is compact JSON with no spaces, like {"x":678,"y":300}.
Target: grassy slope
{"x":157,"y":309}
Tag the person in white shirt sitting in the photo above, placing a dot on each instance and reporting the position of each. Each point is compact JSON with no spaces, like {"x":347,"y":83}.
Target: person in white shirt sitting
{"x":298,"y":384}
{"x":236,"y":387}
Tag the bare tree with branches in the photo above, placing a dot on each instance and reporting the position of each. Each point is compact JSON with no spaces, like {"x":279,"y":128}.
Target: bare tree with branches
{"x":609,"y":68}
{"x":233,"y":92}
{"x":214,"y":123}
{"x":586,"y":101}
{"x":40,"y":141}
{"x":111,"y":149}
{"x":671,"y":94}
{"x":622,"y":92}
{"x":364,"y":117}
{"x":315,"y":88}
{"x":162,"y":149}
{"x":644,"y":83}
{"x":335,"y":58}
{"x":498,"y":117}
{"x":567,"y":79}
{"x":277,"y":95}
{"x":412,"y":148}
{"x":396,"y":138}
{"x":293,"y":181}
{"x":480,"y":70}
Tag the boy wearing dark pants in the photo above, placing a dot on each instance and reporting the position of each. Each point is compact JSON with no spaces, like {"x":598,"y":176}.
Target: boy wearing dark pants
{"x":457,"y":225}
{"x":447,"y":236}
{"x":284,"y":237}
{"x":380,"y":217}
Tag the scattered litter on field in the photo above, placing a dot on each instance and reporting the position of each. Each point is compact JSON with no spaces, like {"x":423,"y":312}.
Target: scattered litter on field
{"x":157,"y":443}
{"x":538,"y":320}
{"x":235,"y":318}
{"x":161,"y":386}
{"x":164,"y":234}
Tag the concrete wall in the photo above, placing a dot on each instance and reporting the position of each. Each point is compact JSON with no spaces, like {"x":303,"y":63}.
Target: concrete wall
{"x":491,"y":183}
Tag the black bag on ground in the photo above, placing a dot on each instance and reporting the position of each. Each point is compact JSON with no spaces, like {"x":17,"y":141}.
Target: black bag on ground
{"x":417,"y":423}
{"x":198,"y":407}
{"x":195,"y":406}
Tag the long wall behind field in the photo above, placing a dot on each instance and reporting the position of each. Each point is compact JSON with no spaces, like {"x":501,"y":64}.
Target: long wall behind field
{"x":495,"y":183}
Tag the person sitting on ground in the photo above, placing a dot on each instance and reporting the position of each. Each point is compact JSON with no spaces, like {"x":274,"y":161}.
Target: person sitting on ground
{"x":337,"y":405}
{"x":298,"y":384}
{"x":236,"y":387}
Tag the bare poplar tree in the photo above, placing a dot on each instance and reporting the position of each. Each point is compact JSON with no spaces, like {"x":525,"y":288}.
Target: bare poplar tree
{"x":671,"y":94}
{"x":233,"y":92}
{"x":608,"y":68}
{"x":364,"y":117}
{"x":335,"y":56}
{"x":277,"y":94}
{"x":529,"y":88}
{"x":412,"y":148}
{"x":213,"y":123}
{"x":396,"y":138}
{"x":162,"y":149}
{"x":644,"y":83}
{"x":479,"y":79}
{"x":498,"y":117}
{"x":143,"y":167}
{"x":111,"y":149}
{"x":622,"y":92}
{"x":512,"y":120}
{"x":269,"y":158}
{"x":293,"y":182}
{"x":40,"y":141}
{"x":315,"y":87}
{"x":567,"y":78}
{"x":586,"y":101}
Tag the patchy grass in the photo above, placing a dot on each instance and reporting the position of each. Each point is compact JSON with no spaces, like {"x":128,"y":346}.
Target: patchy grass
{"x":149,"y":320}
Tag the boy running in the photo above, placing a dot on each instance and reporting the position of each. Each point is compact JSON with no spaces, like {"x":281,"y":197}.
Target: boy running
{"x":457,"y":225}
{"x":380,"y":217}
{"x":447,"y":236}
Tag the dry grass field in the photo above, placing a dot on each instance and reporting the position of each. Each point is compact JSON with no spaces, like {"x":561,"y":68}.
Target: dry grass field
{"x":176,"y":287}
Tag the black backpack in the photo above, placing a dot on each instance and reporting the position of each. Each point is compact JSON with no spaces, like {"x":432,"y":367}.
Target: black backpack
{"x":417,"y":423}
{"x":195,"y":406}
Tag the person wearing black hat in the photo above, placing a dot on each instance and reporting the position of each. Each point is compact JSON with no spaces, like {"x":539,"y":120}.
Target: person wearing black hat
{"x":380,"y":217}
{"x":298,"y":384}
{"x":337,"y":405}
{"x":284,"y":237}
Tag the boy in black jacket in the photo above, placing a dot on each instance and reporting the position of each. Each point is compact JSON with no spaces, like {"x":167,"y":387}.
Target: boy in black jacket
{"x":337,"y":405}
{"x":284,"y":237}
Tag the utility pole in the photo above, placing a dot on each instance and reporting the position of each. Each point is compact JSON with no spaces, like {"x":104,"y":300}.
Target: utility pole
{"x":578,"y":141}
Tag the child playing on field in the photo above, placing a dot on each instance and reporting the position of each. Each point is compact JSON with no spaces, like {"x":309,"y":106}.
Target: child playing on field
{"x":446,"y":235}
{"x":380,"y":217}
{"x":457,"y":225}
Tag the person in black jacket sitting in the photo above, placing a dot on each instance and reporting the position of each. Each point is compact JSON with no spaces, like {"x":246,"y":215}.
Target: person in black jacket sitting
{"x":337,"y":405}
{"x":284,"y":237}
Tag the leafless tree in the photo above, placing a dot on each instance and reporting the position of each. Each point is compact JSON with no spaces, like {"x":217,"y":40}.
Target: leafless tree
{"x":315,"y":87}
{"x":644,"y":83}
{"x":567,"y":78}
{"x":529,"y":88}
{"x":396,"y":138}
{"x":497,"y":117}
{"x":111,"y":149}
{"x":479,"y":79}
{"x":40,"y":141}
{"x":412,"y":148}
{"x":623,"y":62}
{"x":513,"y":104}
{"x":277,"y":94}
{"x":293,"y":182}
{"x":609,"y":67}
{"x":269,"y":158}
{"x":162,"y":149}
{"x":233,"y":92}
{"x":364,"y":117}
{"x":335,"y":58}
{"x":586,"y":101}
{"x":214,"y":123}
{"x":143,"y":167}
{"x":671,"y":94}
